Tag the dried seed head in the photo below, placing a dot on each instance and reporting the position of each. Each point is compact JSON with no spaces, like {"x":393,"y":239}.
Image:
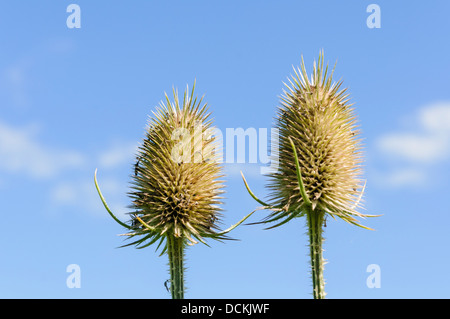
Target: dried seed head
{"x":315,"y":113}
{"x":175,"y":186}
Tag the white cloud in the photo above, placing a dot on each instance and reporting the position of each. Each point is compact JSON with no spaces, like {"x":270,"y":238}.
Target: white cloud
{"x":21,"y":152}
{"x":17,"y":77}
{"x":402,"y":177}
{"x":436,"y":118}
{"x":428,"y":143}
{"x":422,"y":144}
{"x":118,"y":154}
{"x":14,"y":79}
{"x":82,"y":194}
{"x":64,"y":193}
{"x":425,"y":148}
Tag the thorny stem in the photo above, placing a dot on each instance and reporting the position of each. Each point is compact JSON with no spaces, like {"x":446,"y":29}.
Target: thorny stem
{"x":175,"y":250}
{"x":315,"y":230}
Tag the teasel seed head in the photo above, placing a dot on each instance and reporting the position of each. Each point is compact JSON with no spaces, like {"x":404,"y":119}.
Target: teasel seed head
{"x":320,"y":151}
{"x":315,"y":114}
{"x":176,"y":185}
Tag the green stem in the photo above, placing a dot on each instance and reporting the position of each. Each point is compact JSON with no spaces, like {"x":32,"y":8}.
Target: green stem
{"x":315,"y":222}
{"x":175,"y":250}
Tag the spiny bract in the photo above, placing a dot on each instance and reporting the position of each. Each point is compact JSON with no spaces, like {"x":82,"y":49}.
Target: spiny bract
{"x":316,"y":115}
{"x":176,"y":183}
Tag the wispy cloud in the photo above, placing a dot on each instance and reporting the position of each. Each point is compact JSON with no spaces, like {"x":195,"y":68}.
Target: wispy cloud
{"x":24,"y":154}
{"x":415,"y":148}
{"x":14,"y":79}
{"x":81,"y":191}
{"x":21,"y":152}
{"x":118,"y":154}
{"x":428,"y":142}
{"x":17,"y":77}
{"x":400,"y":177}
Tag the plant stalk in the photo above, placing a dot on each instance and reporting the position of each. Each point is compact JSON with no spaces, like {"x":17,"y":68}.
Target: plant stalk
{"x":175,"y":250}
{"x":315,"y":230}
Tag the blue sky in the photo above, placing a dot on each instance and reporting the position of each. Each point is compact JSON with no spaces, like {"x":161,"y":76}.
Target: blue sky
{"x":73,"y":100}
